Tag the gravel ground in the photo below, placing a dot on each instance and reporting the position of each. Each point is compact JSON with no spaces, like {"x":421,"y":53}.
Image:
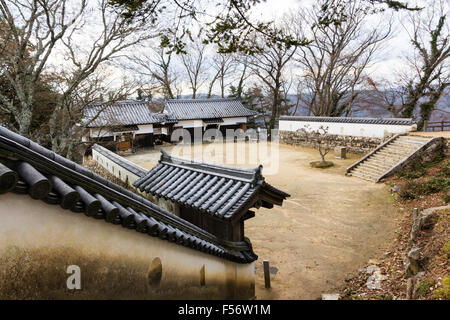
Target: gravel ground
{"x":329,"y":227}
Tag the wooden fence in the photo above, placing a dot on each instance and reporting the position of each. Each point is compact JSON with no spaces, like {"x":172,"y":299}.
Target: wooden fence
{"x":443,"y":125}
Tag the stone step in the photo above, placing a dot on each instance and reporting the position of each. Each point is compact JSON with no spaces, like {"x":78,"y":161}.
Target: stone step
{"x":393,"y":153}
{"x":410,"y":142}
{"x":390,"y":155}
{"x":405,"y":145}
{"x":369,"y":172}
{"x":374,"y":166}
{"x":402,"y":146}
{"x":363,"y":176}
{"x":387,"y":157}
{"x":381,"y":163}
{"x":414,"y":138}
{"x":371,"y":166}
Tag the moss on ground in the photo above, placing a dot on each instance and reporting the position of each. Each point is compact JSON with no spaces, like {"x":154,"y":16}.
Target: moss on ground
{"x":444,"y":291}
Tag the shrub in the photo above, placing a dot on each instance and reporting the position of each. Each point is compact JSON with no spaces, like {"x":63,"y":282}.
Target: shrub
{"x":424,"y":287}
{"x":412,"y":174}
{"x":413,"y":190}
{"x":437,"y":184}
{"x":445,"y":172}
{"x":446,"y":198}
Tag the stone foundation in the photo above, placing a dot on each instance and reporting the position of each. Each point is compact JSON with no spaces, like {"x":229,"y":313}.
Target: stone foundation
{"x":353,"y":144}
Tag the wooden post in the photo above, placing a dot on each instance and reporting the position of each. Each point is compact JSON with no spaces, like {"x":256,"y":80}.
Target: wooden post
{"x":442,"y":125}
{"x":266,"y":274}
{"x":425,"y":126}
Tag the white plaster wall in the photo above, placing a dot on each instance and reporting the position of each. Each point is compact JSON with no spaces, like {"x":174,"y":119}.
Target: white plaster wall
{"x":129,"y":177}
{"x":190,"y":123}
{"x":118,"y":171}
{"x":348,"y":129}
{"x":33,"y":224}
{"x":233,"y":121}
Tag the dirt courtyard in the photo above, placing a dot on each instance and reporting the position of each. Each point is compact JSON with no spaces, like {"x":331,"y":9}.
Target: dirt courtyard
{"x":329,"y":227}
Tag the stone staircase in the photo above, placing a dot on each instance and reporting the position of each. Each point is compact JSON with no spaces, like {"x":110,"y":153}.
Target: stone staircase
{"x":388,"y":157}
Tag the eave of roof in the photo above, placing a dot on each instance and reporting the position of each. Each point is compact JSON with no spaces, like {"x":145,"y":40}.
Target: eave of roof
{"x":123,"y":113}
{"x":17,"y":152}
{"x":391,"y":121}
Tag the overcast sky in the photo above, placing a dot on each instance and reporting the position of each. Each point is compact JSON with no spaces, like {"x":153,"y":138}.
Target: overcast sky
{"x":388,"y":62}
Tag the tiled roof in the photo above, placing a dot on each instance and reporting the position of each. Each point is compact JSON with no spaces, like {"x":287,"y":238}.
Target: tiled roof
{"x":26,"y":167}
{"x":393,"y":121}
{"x":218,"y":190}
{"x":122,"y":113}
{"x":187,"y":109}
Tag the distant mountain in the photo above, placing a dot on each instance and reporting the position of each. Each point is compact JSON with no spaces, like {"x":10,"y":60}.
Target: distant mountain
{"x":442,"y":113}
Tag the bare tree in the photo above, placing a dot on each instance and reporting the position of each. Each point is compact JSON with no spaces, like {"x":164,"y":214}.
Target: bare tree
{"x":237,"y":84}
{"x":68,"y":124}
{"x":30,"y":30}
{"x":429,"y":74}
{"x":269,"y":67}
{"x":195,"y":66}
{"x":335,"y":61}
{"x":224,"y":64}
{"x":318,"y":139}
{"x":157,"y":68}
{"x":383,"y":96}
{"x":115,"y":35}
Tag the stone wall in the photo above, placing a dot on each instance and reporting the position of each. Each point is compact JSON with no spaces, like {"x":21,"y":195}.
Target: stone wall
{"x":353,"y":144}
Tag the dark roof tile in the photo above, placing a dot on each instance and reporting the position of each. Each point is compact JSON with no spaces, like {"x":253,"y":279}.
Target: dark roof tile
{"x":122,"y":113}
{"x":215,"y":189}
{"x":213,"y":109}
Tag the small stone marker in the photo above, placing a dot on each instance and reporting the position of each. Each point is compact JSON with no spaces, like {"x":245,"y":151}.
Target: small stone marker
{"x":266,"y":273}
{"x":330,"y":296}
{"x":340,"y":152}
